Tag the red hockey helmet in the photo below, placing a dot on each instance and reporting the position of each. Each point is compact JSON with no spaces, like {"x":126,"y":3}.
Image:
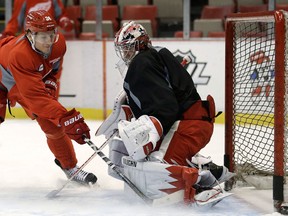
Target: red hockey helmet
{"x":40,"y":21}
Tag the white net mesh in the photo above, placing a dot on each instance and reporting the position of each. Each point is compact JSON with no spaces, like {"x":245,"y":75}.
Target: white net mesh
{"x":254,"y":48}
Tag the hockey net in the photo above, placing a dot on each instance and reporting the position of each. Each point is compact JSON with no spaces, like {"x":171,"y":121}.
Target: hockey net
{"x":256,"y":100}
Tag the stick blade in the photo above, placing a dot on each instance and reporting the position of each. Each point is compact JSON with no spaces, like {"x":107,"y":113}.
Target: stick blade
{"x":52,"y":194}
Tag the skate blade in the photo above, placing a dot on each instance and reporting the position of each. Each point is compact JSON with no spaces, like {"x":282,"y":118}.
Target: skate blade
{"x":212,"y":202}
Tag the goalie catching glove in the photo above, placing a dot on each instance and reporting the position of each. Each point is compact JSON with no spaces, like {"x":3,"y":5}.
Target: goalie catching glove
{"x":140,"y":136}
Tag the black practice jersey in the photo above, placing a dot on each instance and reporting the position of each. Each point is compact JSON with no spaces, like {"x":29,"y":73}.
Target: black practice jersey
{"x":158,"y":85}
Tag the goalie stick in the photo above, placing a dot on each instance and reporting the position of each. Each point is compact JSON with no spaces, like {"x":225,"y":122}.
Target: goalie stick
{"x":97,"y":150}
{"x":54,"y":193}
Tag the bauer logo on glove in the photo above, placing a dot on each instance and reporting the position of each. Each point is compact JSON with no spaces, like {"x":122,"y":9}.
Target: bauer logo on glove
{"x":72,"y":120}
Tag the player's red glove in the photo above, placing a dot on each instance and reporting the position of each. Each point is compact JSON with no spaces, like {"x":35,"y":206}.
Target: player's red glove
{"x":74,"y":126}
{"x":51,"y":86}
{"x":66,"y":24}
{"x":3,"y":102}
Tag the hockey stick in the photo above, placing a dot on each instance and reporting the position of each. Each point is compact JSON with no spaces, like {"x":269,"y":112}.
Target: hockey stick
{"x":53,"y":193}
{"x":146,"y":199}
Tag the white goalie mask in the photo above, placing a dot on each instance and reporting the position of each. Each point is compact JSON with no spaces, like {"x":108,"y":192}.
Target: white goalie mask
{"x":129,"y":40}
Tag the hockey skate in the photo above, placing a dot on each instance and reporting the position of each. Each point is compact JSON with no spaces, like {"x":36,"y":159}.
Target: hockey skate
{"x":221,"y":173}
{"x":82,"y":177}
{"x":206,"y":197}
{"x":210,"y":197}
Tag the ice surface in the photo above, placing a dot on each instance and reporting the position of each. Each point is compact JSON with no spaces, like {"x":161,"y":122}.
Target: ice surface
{"x":28,"y":174}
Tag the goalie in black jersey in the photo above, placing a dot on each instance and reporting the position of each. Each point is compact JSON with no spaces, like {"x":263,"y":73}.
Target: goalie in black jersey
{"x":158,"y":148}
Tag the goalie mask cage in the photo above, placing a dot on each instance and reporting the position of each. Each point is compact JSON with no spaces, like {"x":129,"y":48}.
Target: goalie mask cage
{"x":256,"y":100}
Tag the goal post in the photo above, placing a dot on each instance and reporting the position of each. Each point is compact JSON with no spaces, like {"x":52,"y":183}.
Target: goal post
{"x":256,"y":90}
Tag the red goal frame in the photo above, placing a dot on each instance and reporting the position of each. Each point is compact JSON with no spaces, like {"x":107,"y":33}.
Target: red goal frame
{"x":279,"y":108}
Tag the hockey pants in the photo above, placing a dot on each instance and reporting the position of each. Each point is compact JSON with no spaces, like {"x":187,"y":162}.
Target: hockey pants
{"x":185,"y":139}
{"x":59,"y":143}
{"x":189,"y":135}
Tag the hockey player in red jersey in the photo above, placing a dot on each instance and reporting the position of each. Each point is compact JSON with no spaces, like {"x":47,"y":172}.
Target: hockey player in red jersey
{"x":29,"y":64}
{"x":20,"y":10}
{"x":158,"y":148}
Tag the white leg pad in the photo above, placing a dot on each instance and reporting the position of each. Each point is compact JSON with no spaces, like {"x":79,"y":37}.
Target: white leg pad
{"x":117,"y":150}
